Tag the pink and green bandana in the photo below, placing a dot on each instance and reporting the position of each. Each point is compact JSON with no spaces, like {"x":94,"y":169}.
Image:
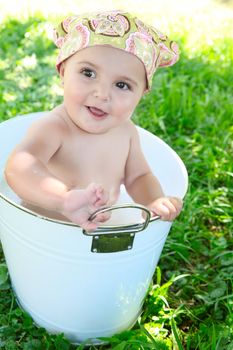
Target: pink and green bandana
{"x":120,"y":30}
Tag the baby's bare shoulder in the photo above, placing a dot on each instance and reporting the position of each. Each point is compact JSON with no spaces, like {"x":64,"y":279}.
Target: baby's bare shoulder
{"x":45,"y":135}
{"x":128,"y":129}
{"x":132,"y":131}
{"x":52,"y":120}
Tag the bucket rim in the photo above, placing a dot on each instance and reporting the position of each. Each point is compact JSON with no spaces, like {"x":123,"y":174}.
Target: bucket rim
{"x":69,"y":223}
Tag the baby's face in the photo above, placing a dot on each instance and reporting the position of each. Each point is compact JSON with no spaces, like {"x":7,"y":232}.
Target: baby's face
{"x":102,"y":87}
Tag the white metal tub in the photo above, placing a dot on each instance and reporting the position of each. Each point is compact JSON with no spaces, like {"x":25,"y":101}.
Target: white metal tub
{"x":86,"y":286}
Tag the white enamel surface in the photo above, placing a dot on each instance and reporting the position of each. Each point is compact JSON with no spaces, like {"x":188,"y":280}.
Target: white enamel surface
{"x":57,"y":279}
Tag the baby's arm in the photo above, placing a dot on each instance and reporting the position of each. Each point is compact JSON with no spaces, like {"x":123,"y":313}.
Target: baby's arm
{"x":144,"y":187}
{"x":27,"y":174}
{"x":26,"y":169}
{"x":146,"y":190}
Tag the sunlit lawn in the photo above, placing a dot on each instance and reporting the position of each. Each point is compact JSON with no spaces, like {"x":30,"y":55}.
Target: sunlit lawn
{"x":190,"y":107}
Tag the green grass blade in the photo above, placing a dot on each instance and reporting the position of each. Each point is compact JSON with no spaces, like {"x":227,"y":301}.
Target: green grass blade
{"x":174,"y":330}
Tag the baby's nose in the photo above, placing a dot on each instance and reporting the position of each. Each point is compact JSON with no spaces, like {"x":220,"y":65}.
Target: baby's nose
{"x":102,"y":92}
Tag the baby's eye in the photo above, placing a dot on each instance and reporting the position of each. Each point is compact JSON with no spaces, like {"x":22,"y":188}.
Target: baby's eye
{"x":88,"y":73}
{"x":123,"y":86}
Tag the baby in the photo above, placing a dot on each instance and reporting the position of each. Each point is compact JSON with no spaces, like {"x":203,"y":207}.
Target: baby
{"x":73,"y":161}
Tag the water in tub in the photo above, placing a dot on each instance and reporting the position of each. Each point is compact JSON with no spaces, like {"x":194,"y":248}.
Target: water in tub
{"x":118,"y":217}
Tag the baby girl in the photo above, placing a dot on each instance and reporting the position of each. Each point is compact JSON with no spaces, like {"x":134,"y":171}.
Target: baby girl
{"x":74,"y":160}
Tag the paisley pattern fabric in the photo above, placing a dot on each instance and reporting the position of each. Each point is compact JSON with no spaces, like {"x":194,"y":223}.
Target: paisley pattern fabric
{"x":120,"y":30}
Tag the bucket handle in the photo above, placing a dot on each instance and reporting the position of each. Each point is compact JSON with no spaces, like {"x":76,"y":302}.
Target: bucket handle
{"x":132,"y":228}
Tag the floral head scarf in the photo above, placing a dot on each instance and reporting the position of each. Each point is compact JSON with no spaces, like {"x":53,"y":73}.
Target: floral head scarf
{"x":119,"y":30}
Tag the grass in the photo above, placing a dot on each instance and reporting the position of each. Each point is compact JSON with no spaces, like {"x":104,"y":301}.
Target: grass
{"x":190,"y":302}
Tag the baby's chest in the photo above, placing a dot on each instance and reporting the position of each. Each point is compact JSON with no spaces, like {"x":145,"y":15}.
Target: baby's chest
{"x":100,"y":158}
{"x":92,"y":161}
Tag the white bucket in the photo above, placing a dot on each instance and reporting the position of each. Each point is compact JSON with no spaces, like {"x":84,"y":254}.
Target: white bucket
{"x":86,"y":286}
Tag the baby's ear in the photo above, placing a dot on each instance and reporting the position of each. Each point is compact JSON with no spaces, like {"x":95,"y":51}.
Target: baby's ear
{"x":62,"y":70}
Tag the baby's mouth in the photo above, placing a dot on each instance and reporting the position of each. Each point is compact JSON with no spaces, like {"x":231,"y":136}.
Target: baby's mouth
{"x":96,"y":112}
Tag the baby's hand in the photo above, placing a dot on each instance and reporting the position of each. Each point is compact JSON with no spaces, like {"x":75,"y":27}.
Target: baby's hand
{"x":80,"y":204}
{"x":168,"y":208}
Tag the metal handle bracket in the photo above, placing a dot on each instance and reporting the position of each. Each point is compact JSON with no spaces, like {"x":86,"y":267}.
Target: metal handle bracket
{"x":129,"y":228}
{"x":110,"y":239}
